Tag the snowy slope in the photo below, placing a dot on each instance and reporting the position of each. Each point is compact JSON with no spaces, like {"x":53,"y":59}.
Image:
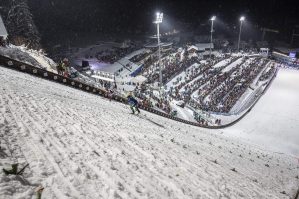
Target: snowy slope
{"x":18,"y":54}
{"x":82,"y":146}
{"x":30,"y":56}
{"x":274,"y":120}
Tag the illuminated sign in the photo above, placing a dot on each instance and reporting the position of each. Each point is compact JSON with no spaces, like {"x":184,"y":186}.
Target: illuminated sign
{"x":292,"y":55}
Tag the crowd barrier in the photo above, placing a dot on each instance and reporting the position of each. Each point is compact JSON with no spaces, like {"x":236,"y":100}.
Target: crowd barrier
{"x":42,"y":73}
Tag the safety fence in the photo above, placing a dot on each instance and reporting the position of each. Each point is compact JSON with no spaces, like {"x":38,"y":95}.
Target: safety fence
{"x":42,"y":73}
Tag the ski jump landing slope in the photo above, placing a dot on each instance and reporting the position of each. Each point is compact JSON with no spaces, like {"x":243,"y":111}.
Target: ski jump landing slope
{"x":274,"y":121}
{"x":82,"y":146}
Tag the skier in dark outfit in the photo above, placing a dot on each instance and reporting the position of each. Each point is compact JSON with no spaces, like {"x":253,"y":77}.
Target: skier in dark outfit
{"x":133,"y":104}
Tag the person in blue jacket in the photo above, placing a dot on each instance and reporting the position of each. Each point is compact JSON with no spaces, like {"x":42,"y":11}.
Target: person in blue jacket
{"x":133,"y":104}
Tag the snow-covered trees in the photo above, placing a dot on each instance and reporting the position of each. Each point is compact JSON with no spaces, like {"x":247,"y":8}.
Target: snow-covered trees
{"x":21,"y":27}
{"x":4,"y":9}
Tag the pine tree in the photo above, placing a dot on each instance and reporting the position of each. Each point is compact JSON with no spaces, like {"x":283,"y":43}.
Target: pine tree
{"x":21,"y":27}
{"x":4,"y":8}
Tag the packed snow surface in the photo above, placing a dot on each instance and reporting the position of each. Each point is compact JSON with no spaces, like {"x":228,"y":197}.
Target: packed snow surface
{"x":80,"y":145}
{"x":274,"y":120}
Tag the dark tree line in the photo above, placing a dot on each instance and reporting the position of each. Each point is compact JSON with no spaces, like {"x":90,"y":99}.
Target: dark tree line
{"x":20,"y":24}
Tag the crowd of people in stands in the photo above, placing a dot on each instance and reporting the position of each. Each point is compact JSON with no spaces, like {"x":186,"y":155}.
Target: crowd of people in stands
{"x":172,"y":64}
{"x":266,"y":74}
{"x":208,"y":88}
{"x":223,"y":95}
{"x":197,"y":77}
{"x":171,"y":69}
{"x":148,"y":99}
{"x":212,"y":89}
{"x":151,"y":62}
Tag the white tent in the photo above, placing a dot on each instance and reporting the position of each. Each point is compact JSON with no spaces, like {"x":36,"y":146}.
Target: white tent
{"x":3,"y":32}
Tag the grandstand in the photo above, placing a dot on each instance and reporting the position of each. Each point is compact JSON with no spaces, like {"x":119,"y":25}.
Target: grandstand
{"x":220,"y":82}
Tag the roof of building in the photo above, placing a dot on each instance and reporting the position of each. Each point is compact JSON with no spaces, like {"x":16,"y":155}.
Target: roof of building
{"x":155,"y":45}
{"x":204,"y":46}
{"x":286,"y":50}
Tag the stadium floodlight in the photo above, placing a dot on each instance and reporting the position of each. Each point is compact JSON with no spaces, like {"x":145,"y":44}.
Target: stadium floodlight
{"x":212,"y":25}
{"x":159,"y":19}
{"x":242,"y":18}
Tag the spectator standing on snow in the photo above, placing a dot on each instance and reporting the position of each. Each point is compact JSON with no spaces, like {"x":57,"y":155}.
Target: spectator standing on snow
{"x":66,"y":67}
{"x":60,"y":68}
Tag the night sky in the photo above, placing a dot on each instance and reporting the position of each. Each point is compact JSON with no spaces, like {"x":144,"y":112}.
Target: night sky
{"x":127,"y":16}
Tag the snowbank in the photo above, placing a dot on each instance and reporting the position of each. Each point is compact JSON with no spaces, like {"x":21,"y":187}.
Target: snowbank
{"x":29,"y":56}
{"x":19,"y":55}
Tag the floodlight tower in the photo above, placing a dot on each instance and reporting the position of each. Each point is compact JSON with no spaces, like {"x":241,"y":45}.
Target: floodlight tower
{"x":241,"y":22}
{"x":159,"y":19}
{"x":212,"y":30}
